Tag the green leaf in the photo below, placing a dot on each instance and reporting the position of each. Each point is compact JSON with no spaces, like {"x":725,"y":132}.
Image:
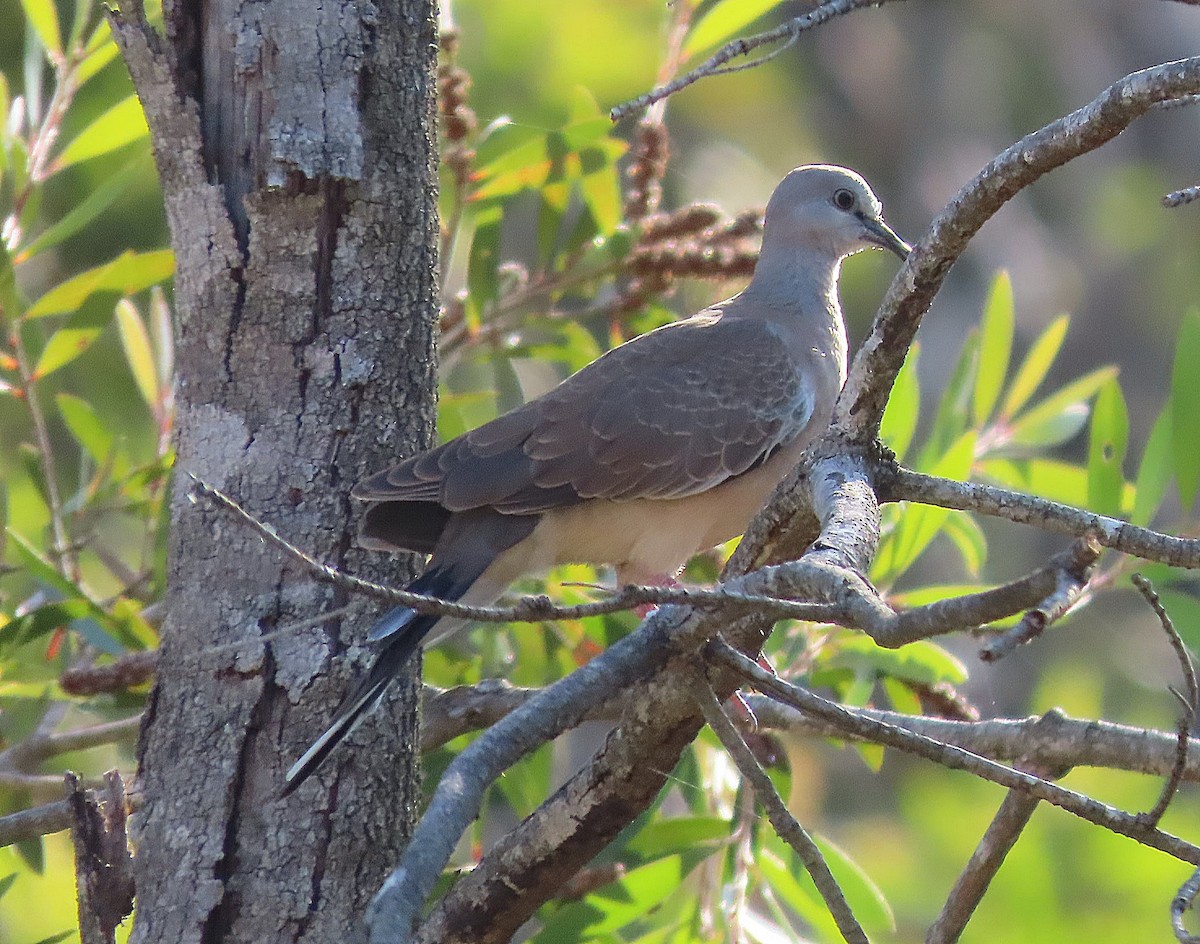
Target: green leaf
{"x":969,"y":539}
{"x":616,"y":905}
{"x":1106,"y":450}
{"x":483,"y":281}
{"x":922,"y":663}
{"x":85,"y":426}
{"x":950,"y":421}
{"x":903,"y":406}
{"x":920,"y":524}
{"x":6,"y":883}
{"x":550,"y":158}
{"x":1185,"y":408}
{"x":1154,"y":474}
{"x":135,"y":341}
{"x":99,"y":52}
{"x":127,"y":274}
{"x":43,"y":18}
{"x":122,"y":124}
{"x":677,"y":834}
{"x":723,"y":22}
{"x":72,"y":339}
{"x":1036,"y":365}
{"x":1061,"y":415}
{"x":995,"y":347}
{"x":88,"y":209}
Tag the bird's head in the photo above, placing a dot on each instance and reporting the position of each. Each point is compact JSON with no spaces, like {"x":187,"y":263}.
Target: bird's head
{"x":829,"y":210}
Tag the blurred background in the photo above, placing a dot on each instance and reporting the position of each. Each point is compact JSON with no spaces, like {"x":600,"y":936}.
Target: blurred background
{"x":917,"y":97}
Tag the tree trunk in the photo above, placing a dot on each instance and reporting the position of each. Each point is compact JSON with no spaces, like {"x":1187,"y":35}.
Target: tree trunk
{"x":294,"y":141}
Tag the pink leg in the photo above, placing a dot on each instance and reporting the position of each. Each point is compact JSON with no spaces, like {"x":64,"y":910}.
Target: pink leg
{"x":629,"y":576}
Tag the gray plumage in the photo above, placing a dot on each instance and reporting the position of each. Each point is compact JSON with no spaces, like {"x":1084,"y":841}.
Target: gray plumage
{"x":663,"y":447}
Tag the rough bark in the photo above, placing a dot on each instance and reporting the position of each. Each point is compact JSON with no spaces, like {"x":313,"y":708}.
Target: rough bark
{"x":294,"y":142}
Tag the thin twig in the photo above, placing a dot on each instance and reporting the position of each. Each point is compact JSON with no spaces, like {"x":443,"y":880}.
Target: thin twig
{"x":1072,"y":582}
{"x":1177,"y":198}
{"x":1181,"y":904}
{"x":789,"y":31}
{"x":1190,"y":701}
{"x":786,"y":825}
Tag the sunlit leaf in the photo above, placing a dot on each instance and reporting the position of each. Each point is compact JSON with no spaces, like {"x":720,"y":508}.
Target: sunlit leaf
{"x":1061,"y":415}
{"x":903,"y":407}
{"x":88,"y":209}
{"x":951,"y":419}
{"x":42,"y":15}
{"x":129,"y":273}
{"x":922,"y":662}
{"x":135,"y":341}
{"x":1035,"y":366}
{"x":1185,"y":408}
{"x":995,"y":347}
{"x":1106,"y":450}
{"x":99,"y":52}
{"x":122,"y":124}
{"x":723,"y":22}
{"x":1154,"y":473}
{"x":555,"y":156}
{"x":72,"y":339}
{"x":619,"y":903}
{"x":677,"y":834}
{"x":85,"y":426}
{"x":968,"y":537}
{"x":920,"y":524}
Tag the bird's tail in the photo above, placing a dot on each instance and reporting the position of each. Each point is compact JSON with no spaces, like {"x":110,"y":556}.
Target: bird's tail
{"x":402,"y":631}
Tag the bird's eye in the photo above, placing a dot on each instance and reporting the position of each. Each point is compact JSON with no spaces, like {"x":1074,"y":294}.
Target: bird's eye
{"x":843,"y":199}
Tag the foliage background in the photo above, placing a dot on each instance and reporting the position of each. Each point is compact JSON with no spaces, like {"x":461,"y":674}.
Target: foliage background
{"x":917,"y":97}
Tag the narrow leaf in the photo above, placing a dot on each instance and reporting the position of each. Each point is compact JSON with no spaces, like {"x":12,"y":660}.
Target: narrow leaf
{"x":969,"y":539}
{"x":1154,"y":474}
{"x":129,"y":273}
{"x":1036,"y":365}
{"x":85,"y":426}
{"x":43,"y":18}
{"x":950,"y":420}
{"x":72,"y":339}
{"x":723,"y":22}
{"x":1185,"y":408}
{"x":903,"y":407}
{"x":1062,"y":414}
{"x":88,"y":209}
{"x":1106,"y":450}
{"x":995,"y":347}
{"x":120,"y":125}
{"x":135,"y":340}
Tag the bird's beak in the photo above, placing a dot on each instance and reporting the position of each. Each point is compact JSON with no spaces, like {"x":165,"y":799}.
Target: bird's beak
{"x":884,"y":236}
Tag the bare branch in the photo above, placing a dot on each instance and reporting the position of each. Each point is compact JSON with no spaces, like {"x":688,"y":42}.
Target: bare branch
{"x":128,"y":671}
{"x":1177,"y":198}
{"x":955,"y":758}
{"x":786,"y":825}
{"x":1001,"y":835}
{"x":860,"y":407}
{"x":906,"y":485}
{"x":1072,"y":581}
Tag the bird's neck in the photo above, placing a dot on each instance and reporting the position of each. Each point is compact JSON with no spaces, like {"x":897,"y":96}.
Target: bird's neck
{"x":798,"y":293}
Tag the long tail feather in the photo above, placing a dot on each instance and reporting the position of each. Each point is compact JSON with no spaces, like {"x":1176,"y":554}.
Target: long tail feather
{"x":363,"y":699}
{"x":401,"y":632}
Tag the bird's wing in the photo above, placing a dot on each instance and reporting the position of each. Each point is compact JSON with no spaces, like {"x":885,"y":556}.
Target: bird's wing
{"x":672,"y":413}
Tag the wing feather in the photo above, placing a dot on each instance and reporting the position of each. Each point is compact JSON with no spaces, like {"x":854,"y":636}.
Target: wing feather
{"x":672,"y":413}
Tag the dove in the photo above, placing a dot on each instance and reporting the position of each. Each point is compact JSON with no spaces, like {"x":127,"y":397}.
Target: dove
{"x":663,"y":447}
